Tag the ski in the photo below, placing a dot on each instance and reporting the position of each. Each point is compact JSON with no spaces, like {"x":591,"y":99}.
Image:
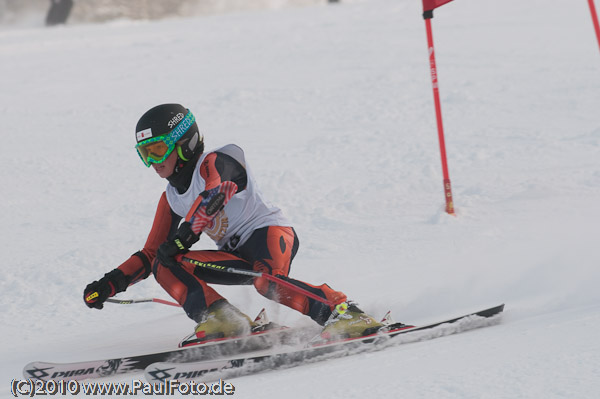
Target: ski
{"x":270,"y":334}
{"x":244,"y":365}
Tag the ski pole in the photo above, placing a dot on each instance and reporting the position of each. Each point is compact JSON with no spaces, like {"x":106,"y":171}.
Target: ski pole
{"x":131,"y":301}
{"x":253,"y":273}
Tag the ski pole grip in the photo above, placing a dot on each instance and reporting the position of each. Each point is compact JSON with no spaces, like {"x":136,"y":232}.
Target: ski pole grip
{"x":92,"y":296}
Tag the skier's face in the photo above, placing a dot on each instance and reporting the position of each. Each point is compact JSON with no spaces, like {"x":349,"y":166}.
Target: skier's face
{"x":166,"y":168}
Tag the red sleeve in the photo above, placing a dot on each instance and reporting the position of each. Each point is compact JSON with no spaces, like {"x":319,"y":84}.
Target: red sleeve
{"x":212,"y":178}
{"x":209,"y":172}
{"x":219,"y":167}
{"x":216,"y":169}
{"x":138,"y":266}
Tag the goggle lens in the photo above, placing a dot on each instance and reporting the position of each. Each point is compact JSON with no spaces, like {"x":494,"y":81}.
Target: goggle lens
{"x":154,"y":152}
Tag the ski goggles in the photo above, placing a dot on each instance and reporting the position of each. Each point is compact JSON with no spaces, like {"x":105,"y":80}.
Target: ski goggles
{"x":157,"y":149}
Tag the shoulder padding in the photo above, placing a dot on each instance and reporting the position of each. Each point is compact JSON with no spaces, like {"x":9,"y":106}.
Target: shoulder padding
{"x":235,"y":152}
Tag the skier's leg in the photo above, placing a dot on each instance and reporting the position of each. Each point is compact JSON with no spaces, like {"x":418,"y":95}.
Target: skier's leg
{"x":271,"y":250}
{"x":188,"y":284}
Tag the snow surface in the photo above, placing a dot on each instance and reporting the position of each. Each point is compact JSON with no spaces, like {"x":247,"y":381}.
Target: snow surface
{"x":333,"y":107}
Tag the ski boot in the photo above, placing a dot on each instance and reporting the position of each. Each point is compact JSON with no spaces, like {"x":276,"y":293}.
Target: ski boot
{"x":235,"y":325}
{"x":222,"y":320}
{"x":348,"y":321}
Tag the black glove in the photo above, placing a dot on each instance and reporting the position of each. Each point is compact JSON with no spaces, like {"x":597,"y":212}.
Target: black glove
{"x":96,"y":293}
{"x":182,"y":242}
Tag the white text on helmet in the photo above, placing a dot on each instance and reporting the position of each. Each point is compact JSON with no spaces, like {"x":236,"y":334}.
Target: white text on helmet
{"x":176,"y":119}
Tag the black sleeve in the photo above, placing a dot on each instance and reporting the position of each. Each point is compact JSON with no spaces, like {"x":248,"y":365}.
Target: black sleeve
{"x":231,"y":170}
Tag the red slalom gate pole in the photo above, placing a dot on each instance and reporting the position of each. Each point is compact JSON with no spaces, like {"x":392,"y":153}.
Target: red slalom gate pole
{"x":438,"y":112}
{"x":595,"y":20}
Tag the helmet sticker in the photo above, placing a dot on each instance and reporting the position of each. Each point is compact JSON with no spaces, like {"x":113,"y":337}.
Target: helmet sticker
{"x":143,"y":134}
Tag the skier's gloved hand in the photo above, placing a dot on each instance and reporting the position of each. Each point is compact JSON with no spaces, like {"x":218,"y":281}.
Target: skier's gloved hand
{"x":182,"y":242}
{"x":96,"y":293}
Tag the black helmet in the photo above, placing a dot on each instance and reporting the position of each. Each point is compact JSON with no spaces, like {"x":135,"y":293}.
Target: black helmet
{"x":165,"y":128}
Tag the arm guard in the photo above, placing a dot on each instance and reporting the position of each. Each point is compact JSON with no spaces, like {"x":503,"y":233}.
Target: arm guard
{"x":208,"y":205}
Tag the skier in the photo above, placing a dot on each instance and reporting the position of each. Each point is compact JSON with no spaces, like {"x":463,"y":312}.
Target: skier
{"x":215,"y":193}
{"x":59,"y":11}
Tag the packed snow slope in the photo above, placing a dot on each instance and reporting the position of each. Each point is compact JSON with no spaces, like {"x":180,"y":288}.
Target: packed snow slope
{"x":333,"y":107}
